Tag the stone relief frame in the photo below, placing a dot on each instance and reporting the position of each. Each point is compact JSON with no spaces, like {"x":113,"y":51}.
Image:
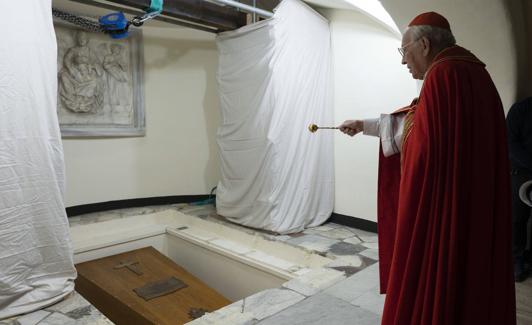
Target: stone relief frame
{"x":100,"y":90}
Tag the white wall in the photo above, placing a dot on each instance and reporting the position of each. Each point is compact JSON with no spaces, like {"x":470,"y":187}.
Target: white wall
{"x":482,"y":26}
{"x":178,"y":155}
{"x":369,"y":80}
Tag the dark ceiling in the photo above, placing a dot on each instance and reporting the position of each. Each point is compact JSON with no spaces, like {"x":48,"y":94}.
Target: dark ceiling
{"x":198,"y":14}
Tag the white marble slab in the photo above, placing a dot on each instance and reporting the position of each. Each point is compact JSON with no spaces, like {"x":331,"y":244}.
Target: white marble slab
{"x":264,"y":303}
{"x":313,"y":242}
{"x":324,"y":227}
{"x":371,"y":253}
{"x":198,"y":233}
{"x":314,"y":281}
{"x":323,"y":309}
{"x":371,"y":245}
{"x":338,"y":233}
{"x":302,"y":271}
{"x":371,"y":300}
{"x":271,"y":260}
{"x":231,"y":246}
{"x":353,"y":240}
{"x":369,"y":239}
{"x":350,"y":260}
{"x":356,"y":285}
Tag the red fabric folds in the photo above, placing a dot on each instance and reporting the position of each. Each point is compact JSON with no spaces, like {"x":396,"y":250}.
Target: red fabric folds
{"x":388,"y":198}
{"x":450,"y":262}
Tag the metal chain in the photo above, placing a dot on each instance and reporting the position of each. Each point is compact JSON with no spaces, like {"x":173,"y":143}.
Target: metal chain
{"x":84,"y":23}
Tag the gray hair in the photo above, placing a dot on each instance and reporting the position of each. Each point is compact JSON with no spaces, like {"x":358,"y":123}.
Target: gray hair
{"x":439,"y":38}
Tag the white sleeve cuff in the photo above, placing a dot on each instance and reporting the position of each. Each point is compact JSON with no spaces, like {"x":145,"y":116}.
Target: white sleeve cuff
{"x":372,"y":126}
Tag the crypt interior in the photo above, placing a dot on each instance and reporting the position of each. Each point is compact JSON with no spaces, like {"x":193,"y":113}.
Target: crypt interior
{"x":155,"y":186}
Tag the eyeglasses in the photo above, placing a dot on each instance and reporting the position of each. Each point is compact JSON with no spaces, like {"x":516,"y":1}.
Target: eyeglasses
{"x":402,"y":50}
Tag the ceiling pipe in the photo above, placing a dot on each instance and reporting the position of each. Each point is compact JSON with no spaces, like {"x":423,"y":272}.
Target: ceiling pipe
{"x":244,"y":7}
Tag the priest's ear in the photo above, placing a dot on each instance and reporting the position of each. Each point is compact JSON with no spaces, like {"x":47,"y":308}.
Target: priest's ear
{"x":425,"y":45}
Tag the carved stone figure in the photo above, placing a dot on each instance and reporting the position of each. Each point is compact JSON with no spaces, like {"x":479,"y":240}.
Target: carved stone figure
{"x":100,"y":84}
{"x":80,"y":82}
{"x":117,"y":72}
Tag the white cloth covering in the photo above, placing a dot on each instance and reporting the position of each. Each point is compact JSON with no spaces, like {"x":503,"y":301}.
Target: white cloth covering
{"x":389,"y":128}
{"x":274,"y":80}
{"x":36,"y":262}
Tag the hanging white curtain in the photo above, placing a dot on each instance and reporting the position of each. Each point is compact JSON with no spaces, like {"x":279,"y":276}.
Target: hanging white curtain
{"x":36,"y":265}
{"x":275,"y":79}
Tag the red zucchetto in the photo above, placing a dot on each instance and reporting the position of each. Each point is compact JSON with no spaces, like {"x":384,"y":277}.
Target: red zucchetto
{"x":431,"y":19}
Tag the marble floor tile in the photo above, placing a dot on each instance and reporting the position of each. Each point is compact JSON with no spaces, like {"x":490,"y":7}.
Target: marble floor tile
{"x":195,"y":210}
{"x":313,"y":242}
{"x":57,"y":319}
{"x":302,"y":288}
{"x":371,"y":245}
{"x":348,"y":260}
{"x":71,"y":302}
{"x":77,"y":308}
{"x":271,"y":260}
{"x":356,"y":285}
{"x":80,"y":312}
{"x":324,"y":227}
{"x":353,"y":240}
{"x":314,"y":281}
{"x":371,"y":300}
{"x":369,"y":239}
{"x":278,"y":237}
{"x":264,"y":303}
{"x":302,"y":271}
{"x":371,"y":253}
{"x":347,"y":270}
{"x":231,"y":246}
{"x":362,"y":233}
{"x":323,"y":309}
{"x":343,"y":248}
{"x":332,"y":225}
{"x":197,"y":233}
{"x":32,"y":318}
{"x":350,"y":269}
{"x":338,"y":233}
{"x":217,"y":318}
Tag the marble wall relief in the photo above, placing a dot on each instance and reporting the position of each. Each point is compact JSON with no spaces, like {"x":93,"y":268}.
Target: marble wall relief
{"x":100,"y":83}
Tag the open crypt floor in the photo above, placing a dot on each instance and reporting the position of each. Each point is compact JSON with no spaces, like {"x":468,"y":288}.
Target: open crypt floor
{"x":345,"y":290}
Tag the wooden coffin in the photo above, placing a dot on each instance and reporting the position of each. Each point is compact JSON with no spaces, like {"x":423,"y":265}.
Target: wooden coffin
{"x":114,"y":284}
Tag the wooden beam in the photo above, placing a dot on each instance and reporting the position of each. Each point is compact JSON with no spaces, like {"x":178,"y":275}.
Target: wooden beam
{"x":196,"y":11}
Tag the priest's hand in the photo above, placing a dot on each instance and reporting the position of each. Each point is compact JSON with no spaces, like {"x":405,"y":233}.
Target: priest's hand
{"x":352,"y":127}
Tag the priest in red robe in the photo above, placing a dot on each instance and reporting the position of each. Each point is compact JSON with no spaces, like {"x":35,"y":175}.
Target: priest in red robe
{"x":444,"y":189}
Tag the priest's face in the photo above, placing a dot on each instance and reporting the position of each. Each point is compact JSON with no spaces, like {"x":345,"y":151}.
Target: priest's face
{"x":415,"y":55}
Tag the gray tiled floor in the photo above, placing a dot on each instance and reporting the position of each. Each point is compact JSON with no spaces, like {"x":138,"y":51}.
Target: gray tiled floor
{"x":323,"y":309}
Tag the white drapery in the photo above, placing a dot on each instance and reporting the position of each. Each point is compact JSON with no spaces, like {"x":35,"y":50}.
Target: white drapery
{"x":275,"y":79}
{"x":36,"y":262}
